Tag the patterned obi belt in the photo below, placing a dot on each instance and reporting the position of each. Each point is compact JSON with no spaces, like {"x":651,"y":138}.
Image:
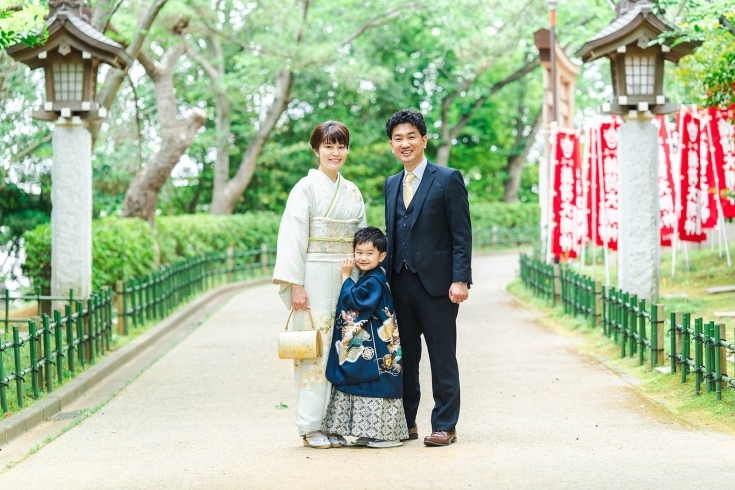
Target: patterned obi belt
{"x":331,"y":236}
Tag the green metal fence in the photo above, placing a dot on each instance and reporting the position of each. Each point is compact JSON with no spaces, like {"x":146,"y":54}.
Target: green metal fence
{"x":711,"y":350}
{"x":48,"y":349}
{"x":44,"y":350}
{"x":637,"y":326}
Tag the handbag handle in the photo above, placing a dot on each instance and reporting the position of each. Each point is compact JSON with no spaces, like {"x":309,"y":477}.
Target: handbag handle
{"x":291,"y":313}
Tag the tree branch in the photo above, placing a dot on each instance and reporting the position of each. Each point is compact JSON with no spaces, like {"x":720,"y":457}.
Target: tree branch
{"x":380,"y":19}
{"x":727,"y":24}
{"x":27,"y":151}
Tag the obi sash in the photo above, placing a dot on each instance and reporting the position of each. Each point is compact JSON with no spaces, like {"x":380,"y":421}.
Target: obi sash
{"x":331,"y":236}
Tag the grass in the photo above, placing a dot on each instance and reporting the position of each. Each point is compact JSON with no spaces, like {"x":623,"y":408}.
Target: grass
{"x":686,"y":293}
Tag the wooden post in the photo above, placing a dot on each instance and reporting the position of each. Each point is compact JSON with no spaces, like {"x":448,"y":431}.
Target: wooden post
{"x":723,"y":354}
{"x":264,"y":259}
{"x":230,"y":264}
{"x":120,"y":306}
{"x":678,"y":339}
{"x":660,"y":335}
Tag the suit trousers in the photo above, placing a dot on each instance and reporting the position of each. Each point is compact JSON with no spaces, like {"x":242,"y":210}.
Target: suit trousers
{"x":419,"y":313}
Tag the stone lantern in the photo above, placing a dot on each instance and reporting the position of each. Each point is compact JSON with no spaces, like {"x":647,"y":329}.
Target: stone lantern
{"x":71,"y":57}
{"x":633,"y":44}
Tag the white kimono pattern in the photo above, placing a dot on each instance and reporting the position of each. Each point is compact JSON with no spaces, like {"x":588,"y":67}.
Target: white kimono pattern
{"x":314,"y":236}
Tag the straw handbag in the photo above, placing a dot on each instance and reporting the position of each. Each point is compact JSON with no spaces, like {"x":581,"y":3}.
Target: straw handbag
{"x":300,"y":344}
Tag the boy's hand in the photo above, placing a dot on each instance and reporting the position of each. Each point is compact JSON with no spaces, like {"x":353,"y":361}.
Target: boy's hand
{"x":346,"y":267}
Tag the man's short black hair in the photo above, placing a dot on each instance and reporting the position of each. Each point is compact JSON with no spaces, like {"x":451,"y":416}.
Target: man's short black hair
{"x":406,"y":116}
{"x":371,"y":234}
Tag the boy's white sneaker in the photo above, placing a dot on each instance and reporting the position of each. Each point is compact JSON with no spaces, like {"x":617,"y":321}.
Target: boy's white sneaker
{"x":383,"y":444}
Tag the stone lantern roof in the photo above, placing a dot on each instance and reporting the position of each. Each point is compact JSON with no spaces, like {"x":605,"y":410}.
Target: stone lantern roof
{"x":636,"y":23}
{"x":68,"y":23}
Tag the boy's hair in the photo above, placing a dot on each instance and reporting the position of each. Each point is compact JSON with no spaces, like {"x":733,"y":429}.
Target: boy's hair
{"x":371,"y":234}
{"x":404,"y":116}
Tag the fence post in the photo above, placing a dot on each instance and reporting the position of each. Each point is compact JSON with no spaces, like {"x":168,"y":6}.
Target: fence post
{"x":721,"y":334}
{"x":264,"y":258}
{"x":230,"y":264}
{"x":698,"y":356}
{"x":556,"y":281}
{"x":18,"y":369}
{"x":678,"y":338}
{"x":718,"y":359}
{"x":120,"y":306}
{"x":657,"y":335}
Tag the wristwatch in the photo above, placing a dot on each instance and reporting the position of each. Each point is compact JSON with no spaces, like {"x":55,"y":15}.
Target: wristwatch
{"x":463,"y":283}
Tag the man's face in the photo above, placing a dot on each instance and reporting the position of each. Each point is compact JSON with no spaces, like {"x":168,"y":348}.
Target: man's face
{"x":408,"y":145}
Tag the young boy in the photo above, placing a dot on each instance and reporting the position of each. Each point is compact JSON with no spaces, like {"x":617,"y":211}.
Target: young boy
{"x":364,"y":362}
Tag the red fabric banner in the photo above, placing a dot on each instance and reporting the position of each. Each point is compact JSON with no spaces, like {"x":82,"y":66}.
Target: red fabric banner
{"x":722,"y":138}
{"x":691,"y":195}
{"x":666,"y":189}
{"x":608,"y":170}
{"x":566,"y":217}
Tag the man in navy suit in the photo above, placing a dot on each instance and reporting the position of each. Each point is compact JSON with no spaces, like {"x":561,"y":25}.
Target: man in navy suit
{"x":427,"y":216}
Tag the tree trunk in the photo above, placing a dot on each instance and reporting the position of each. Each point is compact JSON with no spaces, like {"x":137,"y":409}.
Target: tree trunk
{"x":226,"y":193}
{"x":517,"y":160}
{"x":113,"y":81}
{"x":176,"y":136}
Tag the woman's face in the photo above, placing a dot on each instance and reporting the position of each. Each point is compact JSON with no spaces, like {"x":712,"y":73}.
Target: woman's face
{"x":331,"y":157}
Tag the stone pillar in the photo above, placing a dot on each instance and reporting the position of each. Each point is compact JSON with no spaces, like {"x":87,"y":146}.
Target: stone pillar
{"x":638,"y":246}
{"x":71,"y":214}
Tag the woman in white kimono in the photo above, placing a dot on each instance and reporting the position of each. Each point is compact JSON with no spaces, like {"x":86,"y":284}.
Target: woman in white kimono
{"x":322,"y":213}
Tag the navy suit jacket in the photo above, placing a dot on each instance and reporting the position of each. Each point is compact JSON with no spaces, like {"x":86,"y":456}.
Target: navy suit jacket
{"x":440,"y":228}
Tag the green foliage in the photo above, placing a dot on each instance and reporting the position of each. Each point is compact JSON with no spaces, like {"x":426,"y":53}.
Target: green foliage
{"x":189,"y":236}
{"x":121,"y":248}
{"x":126,"y":248}
{"x":488,"y":214}
{"x":706,"y":76}
{"x":21,"y":24}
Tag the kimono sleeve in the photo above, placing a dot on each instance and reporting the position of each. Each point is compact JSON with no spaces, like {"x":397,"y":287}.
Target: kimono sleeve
{"x":293,"y":239}
{"x":363,"y":298}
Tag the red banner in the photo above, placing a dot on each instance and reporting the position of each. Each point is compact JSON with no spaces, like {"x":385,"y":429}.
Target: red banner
{"x":666,"y":189}
{"x":692,"y":197}
{"x":608,"y":170}
{"x":566,"y":217}
{"x":722,"y":138}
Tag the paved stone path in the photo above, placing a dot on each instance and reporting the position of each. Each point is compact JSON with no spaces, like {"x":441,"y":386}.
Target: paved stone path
{"x":535,"y":414}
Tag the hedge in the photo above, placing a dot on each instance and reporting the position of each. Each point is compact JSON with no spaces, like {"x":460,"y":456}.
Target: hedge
{"x":126,"y":248}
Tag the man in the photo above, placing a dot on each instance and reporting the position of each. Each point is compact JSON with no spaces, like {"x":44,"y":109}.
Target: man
{"x":427,"y":217}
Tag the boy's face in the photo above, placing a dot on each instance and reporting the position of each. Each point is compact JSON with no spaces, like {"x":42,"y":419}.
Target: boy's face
{"x":367,"y":256}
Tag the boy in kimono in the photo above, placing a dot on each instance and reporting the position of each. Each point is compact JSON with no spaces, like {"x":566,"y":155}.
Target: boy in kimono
{"x":364,"y":363}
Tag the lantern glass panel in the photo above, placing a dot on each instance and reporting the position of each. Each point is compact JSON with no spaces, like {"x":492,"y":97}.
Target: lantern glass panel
{"x":68,"y":81}
{"x":640,"y":74}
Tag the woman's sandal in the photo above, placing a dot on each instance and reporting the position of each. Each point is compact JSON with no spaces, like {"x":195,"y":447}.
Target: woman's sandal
{"x":336,"y":440}
{"x":317,"y":440}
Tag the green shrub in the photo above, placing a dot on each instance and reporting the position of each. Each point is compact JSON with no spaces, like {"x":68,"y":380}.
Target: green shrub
{"x":127,"y":248}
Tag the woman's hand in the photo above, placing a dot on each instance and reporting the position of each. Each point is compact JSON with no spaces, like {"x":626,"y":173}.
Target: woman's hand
{"x":346,"y":268}
{"x":299,"y":299}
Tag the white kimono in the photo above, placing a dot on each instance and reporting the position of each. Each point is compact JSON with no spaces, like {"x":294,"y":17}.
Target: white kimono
{"x":315,"y":234}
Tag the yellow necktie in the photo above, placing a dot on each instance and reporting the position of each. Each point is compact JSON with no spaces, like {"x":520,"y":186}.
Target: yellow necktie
{"x":408,"y":189}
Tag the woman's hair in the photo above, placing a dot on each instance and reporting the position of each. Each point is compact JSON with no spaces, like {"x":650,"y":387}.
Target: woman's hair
{"x":330,"y":132}
{"x":373,"y":235}
{"x":406,"y":116}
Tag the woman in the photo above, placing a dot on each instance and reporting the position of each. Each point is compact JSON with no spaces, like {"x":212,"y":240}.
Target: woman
{"x":322,"y":213}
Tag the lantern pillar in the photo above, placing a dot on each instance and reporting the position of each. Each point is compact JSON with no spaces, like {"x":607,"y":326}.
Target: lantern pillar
{"x":71,"y":214}
{"x":639,"y":267}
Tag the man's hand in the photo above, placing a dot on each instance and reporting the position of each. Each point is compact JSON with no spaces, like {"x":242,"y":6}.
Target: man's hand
{"x":346,"y":268}
{"x":299,"y":299}
{"x":458,"y":293}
